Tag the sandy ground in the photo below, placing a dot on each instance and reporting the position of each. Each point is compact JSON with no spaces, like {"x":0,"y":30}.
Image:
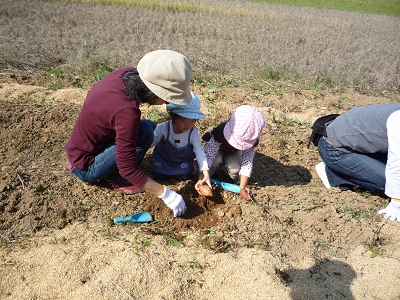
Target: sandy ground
{"x":298,"y":241}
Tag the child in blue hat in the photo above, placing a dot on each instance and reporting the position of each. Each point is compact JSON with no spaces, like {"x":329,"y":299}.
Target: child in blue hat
{"x":177,"y":143}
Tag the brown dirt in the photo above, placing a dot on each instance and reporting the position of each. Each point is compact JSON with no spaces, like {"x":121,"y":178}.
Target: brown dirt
{"x":296,"y":241}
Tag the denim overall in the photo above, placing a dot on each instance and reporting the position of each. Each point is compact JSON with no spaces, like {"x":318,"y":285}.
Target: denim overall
{"x":169,"y":160}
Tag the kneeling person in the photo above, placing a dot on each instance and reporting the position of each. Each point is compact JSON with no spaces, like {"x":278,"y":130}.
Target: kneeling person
{"x":177,"y":143}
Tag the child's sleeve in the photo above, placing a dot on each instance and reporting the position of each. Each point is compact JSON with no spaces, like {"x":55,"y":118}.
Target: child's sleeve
{"x":159,"y":133}
{"x":211,"y":150}
{"x":198,"y":150}
{"x":247,"y":162}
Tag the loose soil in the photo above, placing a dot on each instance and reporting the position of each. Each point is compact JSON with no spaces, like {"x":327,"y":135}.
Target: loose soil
{"x":296,"y":240}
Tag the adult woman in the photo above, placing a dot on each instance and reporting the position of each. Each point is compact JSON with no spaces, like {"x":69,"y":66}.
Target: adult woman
{"x":362,"y":149}
{"x":109,"y":140}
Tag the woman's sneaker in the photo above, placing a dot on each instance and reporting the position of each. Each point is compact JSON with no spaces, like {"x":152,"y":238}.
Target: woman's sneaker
{"x":125,"y":189}
{"x":321,"y":171}
{"x":128,"y":190}
{"x":117,"y":187}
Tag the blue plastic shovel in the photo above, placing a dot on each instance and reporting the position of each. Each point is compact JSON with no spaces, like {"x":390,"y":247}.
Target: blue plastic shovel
{"x":140,"y":217}
{"x":227,"y":186}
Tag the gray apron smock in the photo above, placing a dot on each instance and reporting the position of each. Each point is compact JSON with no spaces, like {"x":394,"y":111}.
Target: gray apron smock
{"x":169,"y":160}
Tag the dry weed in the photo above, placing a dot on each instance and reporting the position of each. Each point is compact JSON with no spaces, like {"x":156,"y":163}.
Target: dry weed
{"x":238,"y":37}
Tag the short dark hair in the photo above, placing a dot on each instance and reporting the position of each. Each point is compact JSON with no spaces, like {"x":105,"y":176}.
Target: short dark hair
{"x":173,"y":115}
{"x":135,"y":88}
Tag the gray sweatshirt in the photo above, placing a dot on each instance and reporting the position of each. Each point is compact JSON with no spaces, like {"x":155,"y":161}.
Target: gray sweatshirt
{"x":362,"y":129}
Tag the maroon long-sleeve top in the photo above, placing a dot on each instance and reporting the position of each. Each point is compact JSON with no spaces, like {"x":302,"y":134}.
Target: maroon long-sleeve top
{"x":107,"y":115}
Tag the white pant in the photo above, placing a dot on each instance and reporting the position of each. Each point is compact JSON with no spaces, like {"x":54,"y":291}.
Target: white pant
{"x":232,"y":163}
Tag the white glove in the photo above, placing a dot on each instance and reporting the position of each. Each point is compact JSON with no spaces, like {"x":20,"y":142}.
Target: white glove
{"x":174,"y":201}
{"x":392,"y":211}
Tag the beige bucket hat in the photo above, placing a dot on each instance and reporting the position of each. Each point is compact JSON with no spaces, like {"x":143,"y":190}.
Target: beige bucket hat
{"x":167,"y":74}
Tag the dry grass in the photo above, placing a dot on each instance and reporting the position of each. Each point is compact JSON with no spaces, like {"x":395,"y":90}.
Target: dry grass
{"x":230,"y":38}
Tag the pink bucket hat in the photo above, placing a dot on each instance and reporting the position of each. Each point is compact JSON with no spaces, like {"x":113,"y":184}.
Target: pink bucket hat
{"x":244,"y":127}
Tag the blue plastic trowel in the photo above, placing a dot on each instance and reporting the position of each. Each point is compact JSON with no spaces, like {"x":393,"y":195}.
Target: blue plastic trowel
{"x":140,"y":217}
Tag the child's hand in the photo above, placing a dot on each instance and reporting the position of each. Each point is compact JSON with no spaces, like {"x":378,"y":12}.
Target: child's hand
{"x":203,"y":189}
{"x":206,"y":178}
{"x":246,"y":193}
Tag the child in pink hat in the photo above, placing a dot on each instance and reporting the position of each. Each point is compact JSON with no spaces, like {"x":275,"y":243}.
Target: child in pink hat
{"x":233,"y":143}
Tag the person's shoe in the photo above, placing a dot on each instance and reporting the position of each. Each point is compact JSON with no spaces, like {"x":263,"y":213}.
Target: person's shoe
{"x":321,"y":170}
{"x":117,"y":187}
{"x":126,"y":189}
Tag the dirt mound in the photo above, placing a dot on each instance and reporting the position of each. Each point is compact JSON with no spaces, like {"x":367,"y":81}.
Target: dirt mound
{"x":294,"y":220}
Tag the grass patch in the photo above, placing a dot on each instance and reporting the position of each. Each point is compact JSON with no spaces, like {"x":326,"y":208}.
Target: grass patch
{"x":375,"y":252}
{"x":139,"y":243}
{"x":79,"y":76}
{"x":382,"y":7}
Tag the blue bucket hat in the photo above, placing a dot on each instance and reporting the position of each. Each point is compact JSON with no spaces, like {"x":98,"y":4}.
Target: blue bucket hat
{"x":190,"y":111}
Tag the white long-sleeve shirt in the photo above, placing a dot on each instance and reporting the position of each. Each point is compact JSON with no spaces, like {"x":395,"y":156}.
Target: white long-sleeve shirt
{"x":181,"y":140}
{"x":392,"y":172}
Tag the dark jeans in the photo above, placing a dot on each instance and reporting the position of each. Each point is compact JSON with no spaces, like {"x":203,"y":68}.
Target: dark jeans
{"x":105,"y":164}
{"x":348,"y":170}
